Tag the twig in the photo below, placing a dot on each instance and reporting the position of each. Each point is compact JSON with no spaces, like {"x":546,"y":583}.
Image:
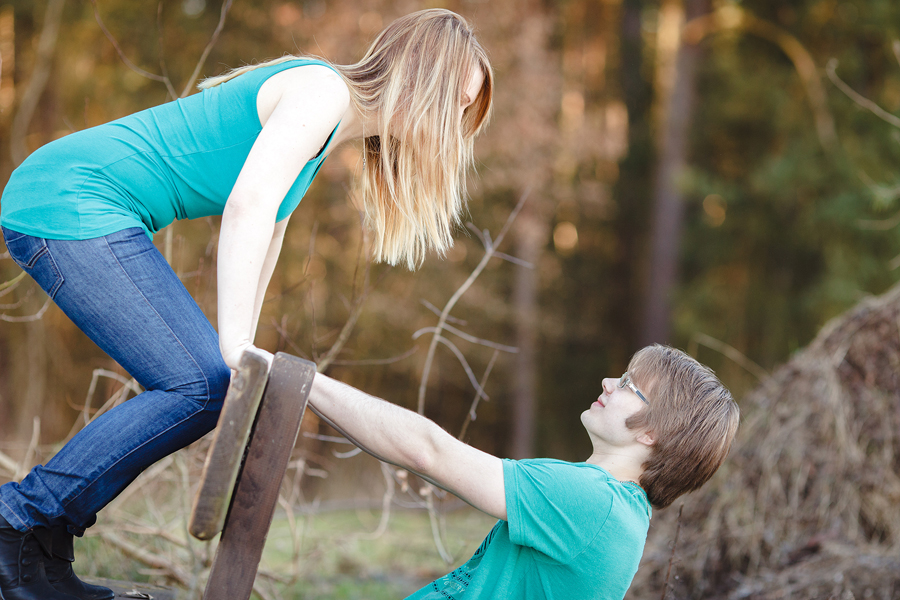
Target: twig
{"x":471,"y":415}
{"x":13,"y":284}
{"x":14,"y":305}
{"x":35,"y":317}
{"x":465,"y":365}
{"x":14,"y":281}
{"x":348,"y":454}
{"x":386,"y":499}
{"x":831,"y":71}
{"x":281,"y":328}
{"x":39,"y":77}
{"x":437,"y":313}
{"x":8,"y":464}
{"x":121,"y":53}
{"x":148,"y":558}
{"x":378,"y":361}
{"x":312,"y":303}
{"x":209,"y":46}
{"x":879,"y":224}
{"x":127,"y":384}
{"x":672,"y":557}
{"x":731,"y":17}
{"x":468,"y":338}
{"x":25,"y":465}
{"x":162,"y":60}
{"x":732,"y":353}
{"x":356,"y":305}
{"x":435,"y":530}
{"x":489,"y":253}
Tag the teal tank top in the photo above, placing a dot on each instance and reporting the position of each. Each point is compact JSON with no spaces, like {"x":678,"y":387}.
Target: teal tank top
{"x":174,"y":161}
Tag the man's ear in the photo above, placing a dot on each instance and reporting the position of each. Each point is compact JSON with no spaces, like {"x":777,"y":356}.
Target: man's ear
{"x":647,"y":438}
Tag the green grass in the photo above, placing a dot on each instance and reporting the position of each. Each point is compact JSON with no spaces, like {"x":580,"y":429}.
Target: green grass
{"x":338,"y":558}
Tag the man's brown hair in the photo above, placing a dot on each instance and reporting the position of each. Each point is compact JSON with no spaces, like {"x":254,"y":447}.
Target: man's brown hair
{"x":692,"y":418}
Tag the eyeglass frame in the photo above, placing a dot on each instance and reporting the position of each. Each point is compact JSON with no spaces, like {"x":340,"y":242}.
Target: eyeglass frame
{"x":625,"y":381}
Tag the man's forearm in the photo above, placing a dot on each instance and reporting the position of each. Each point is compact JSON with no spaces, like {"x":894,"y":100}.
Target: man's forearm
{"x":406,"y":439}
{"x":388,"y":431}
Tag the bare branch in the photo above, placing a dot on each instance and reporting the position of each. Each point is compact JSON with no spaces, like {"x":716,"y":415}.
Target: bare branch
{"x":25,"y":465}
{"x":121,"y":53}
{"x":489,"y":253}
{"x":831,"y":70}
{"x":378,"y":361}
{"x":514,"y":260}
{"x":464,"y":363}
{"x":8,"y":465}
{"x":347,"y":454}
{"x":672,"y":557}
{"x":282,"y":331}
{"x":389,"y":493}
{"x":356,"y":305}
{"x":162,"y":60}
{"x":14,"y":281}
{"x":879,"y":224}
{"x":471,"y":416}
{"x":435,"y":530}
{"x":212,"y":42}
{"x":471,"y":227}
{"x":732,"y":353}
{"x":327,"y":438}
{"x":35,"y":317}
{"x":148,"y":558}
{"x":437,"y":313}
{"x":39,"y":77}
{"x":729,"y":17}
{"x":467,"y":337}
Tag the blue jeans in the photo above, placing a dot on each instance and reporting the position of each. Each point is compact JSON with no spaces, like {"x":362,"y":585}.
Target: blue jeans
{"x":120,"y":291}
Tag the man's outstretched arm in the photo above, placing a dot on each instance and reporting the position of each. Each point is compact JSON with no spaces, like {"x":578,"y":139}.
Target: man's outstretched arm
{"x":413,"y":442}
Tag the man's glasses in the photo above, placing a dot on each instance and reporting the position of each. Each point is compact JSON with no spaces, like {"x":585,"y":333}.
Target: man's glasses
{"x":625,"y":381}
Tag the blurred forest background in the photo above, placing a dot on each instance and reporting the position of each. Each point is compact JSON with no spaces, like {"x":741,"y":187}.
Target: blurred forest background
{"x":697,"y":172}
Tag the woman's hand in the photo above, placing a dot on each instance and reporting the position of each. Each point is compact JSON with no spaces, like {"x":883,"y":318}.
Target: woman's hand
{"x":233,"y":357}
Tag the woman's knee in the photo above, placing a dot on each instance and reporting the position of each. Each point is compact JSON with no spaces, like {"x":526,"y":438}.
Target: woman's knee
{"x":207,"y":387}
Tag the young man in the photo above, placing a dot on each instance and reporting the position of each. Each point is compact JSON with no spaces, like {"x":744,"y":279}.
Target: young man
{"x":567,"y":531}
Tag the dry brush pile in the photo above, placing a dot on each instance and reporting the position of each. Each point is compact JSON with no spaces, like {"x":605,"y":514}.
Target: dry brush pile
{"x":808,"y":504}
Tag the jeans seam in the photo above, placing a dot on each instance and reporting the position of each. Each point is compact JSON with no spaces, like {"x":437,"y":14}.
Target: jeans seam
{"x":15,"y":514}
{"x":150,"y":305}
{"x":65,"y":503}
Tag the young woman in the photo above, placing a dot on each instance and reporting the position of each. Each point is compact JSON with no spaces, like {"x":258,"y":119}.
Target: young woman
{"x":79,"y":213}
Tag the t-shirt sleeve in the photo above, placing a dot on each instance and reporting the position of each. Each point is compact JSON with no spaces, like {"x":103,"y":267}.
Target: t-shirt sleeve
{"x":554,"y":508}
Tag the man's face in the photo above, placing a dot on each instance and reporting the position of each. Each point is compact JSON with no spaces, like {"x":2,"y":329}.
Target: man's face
{"x":605,"y":419}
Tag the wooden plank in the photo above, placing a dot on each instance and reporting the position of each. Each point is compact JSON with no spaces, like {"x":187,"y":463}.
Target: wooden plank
{"x":223,"y":462}
{"x":256,"y":495}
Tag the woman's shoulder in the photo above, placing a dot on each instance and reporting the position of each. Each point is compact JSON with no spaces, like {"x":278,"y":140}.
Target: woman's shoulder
{"x":316,"y":84}
{"x":315,"y":73}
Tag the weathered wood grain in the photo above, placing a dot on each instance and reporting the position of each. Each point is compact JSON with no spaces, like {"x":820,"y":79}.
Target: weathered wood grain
{"x":256,"y":494}
{"x":223,"y":462}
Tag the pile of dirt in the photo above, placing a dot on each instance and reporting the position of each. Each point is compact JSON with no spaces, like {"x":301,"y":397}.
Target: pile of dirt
{"x":809,"y":500}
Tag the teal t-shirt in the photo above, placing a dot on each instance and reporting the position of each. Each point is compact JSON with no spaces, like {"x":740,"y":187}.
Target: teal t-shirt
{"x":174,"y":161}
{"x":573,"y":532}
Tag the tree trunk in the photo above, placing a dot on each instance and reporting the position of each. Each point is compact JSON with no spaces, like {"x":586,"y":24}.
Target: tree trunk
{"x":676,"y":90}
{"x":535,"y":116}
{"x":531,"y":234}
{"x":39,"y":77}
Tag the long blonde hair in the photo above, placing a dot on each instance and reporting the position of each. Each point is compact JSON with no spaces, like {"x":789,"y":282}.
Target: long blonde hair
{"x":412,"y":189}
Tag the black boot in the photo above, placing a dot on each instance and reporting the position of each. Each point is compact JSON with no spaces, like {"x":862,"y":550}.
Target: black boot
{"x":22,"y":575}
{"x":61,"y":575}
